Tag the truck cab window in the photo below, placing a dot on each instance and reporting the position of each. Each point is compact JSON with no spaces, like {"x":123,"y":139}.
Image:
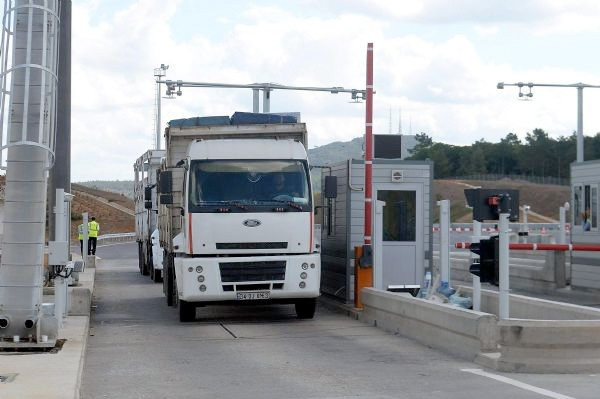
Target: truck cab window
{"x":248,"y":182}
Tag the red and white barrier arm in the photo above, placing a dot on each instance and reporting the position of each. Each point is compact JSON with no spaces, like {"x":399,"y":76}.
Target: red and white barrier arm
{"x":541,"y":247}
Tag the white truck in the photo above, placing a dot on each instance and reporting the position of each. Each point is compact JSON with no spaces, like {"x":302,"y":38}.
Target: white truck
{"x":236,"y":214}
{"x":146,"y":210}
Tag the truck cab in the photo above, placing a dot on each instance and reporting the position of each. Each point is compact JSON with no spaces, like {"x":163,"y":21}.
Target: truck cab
{"x":247,"y":226}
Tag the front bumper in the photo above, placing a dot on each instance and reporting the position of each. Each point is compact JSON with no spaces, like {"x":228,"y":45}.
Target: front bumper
{"x":213,"y":289}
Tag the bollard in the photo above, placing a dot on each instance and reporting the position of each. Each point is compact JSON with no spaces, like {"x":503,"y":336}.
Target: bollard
{"x":363,"y":276}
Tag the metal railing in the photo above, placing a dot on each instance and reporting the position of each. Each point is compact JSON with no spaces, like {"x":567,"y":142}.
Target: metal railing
{"x":559,"y":181}
{"x":116,"y":237}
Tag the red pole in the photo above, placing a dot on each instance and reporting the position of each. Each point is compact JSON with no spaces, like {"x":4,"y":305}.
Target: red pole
{"x":369,"y":147}
{"x":541,"y":247}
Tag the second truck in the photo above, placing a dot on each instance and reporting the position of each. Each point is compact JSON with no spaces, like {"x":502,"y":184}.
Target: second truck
{"x":236,"y":214}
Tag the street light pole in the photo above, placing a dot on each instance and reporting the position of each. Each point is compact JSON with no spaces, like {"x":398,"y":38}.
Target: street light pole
{"x":580,"y":138}
{"x":159,"y":73}
{"x":580,"y":86}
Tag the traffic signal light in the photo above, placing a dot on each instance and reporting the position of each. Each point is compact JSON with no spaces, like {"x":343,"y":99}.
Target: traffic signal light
{"x":487,"y":266}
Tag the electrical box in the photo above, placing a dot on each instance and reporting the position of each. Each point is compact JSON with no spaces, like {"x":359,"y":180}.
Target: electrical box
{"x":489,"y":203}
{"x":58,"y":253}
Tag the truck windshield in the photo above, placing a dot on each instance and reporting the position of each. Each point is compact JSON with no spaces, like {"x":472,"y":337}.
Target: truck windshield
{"x":249,"y":182}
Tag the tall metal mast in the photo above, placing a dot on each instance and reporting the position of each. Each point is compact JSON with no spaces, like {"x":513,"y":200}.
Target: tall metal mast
{"x":30,"y":33}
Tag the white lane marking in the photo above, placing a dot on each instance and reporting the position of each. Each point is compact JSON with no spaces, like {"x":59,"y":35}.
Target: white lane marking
{"x":518,"y":384}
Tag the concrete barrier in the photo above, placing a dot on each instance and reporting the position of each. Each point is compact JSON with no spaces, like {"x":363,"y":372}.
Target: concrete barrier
{"x":526,"y":307}
{"x":80,"y":297}
{"x":461,"y":332}
{"x":546,"y":346}
{"x":542,"y":337}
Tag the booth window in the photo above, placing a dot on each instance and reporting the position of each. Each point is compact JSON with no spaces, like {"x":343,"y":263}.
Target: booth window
{"x":585,"y":201}
{"x":399,"y":215}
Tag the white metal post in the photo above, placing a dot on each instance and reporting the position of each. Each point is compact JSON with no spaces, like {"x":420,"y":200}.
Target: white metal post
{"x":378,"y":245}
{"x":476,"y":281}
{"x":59,"y":210}
{"x":562,"y":233}
{"x":444,"y":240}
{"x":60,"y":283}
{"x":503,"y":266}
{"x":255,"y":100}
{"x":266,"y":101}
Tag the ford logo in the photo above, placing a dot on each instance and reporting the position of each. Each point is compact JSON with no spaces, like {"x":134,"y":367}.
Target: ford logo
{"x":251,"y":223}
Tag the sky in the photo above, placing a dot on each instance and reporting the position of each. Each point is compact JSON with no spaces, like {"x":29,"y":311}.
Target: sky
{"x":436,"y":67}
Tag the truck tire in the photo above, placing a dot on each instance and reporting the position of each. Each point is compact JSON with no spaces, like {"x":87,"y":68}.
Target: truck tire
{"x":146,"y":266}
{"x":187,"y":311}
{"x":165,"y":263}
{"x":305,"y":308}
{"x":170,"y":286}
{"x":141,"y":257}
{"x":156,"y":275}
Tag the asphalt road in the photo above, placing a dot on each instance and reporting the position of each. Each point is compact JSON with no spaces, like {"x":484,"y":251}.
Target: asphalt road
{"x":138,"y":349}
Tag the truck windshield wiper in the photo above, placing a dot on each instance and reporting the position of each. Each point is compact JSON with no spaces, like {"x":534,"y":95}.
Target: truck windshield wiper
{"x":232,"y":203}
{"x":289,"y":203}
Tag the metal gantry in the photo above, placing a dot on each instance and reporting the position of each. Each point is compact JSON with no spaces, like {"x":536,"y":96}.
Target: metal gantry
{"x":578,"y":86}
{"x":174,"y":88}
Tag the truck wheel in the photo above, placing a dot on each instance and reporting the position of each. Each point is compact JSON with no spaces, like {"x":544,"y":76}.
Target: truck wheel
{"x":165,"y":272}
{"x":170,"y":285}
{"x":141,"y":257}
{"x":146,"y":264}
{"x":187,"y":311}
{"x":156,"y":275}
{"x":305,"y":308}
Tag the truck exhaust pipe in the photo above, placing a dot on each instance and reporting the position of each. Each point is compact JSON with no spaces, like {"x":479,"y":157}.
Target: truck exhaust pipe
{"x":4,"y":321}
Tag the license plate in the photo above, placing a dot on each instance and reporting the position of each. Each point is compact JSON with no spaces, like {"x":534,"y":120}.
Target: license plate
{"x":248,"y":296}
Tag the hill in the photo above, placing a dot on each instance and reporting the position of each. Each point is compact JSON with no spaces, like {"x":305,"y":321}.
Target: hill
{"x":124,"y":187}
{"x":544,"y":199}
{"x":336,"y":152}
{"x":113,"y":211}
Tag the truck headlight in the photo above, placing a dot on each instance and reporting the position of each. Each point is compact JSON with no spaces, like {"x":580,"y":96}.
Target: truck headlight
{"x":199,"y":269}
{"x":304,"y":266}
{"x":202,"y":288}
{"x":302,"y":284}
{"x":303,"y":275}
{"x":200,"y":278}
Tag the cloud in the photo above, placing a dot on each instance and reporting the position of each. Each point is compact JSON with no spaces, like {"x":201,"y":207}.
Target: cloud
{"x":443,"y":83}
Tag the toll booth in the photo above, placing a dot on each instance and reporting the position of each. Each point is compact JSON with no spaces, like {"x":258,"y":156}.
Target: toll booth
{"x":405,"y":228}
{"x":585,"y":181}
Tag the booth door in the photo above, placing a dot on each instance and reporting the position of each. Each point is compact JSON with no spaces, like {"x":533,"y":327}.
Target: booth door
{"x":401,"y":233}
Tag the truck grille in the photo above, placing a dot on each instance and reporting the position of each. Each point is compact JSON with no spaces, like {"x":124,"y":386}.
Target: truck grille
{"x":252,"y":245}
{"x":252,"y":271}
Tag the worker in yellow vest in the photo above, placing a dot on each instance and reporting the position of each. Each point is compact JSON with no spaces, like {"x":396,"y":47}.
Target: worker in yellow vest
{"x":93,"y":229}
{"x":80,"y":237}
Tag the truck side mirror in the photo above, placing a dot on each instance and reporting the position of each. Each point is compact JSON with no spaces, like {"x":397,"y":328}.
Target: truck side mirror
{"x":166,"y":199}
{"x":165,"y":183}
{"x":330,"y":186}
{"x":148,"y":193}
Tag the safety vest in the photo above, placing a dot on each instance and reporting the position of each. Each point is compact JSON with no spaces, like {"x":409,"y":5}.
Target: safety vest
{"x":80,"y":232}
{"x":93,"y":228}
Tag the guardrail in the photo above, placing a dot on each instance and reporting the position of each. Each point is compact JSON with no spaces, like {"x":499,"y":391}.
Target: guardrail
{"x":116,"y":237}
